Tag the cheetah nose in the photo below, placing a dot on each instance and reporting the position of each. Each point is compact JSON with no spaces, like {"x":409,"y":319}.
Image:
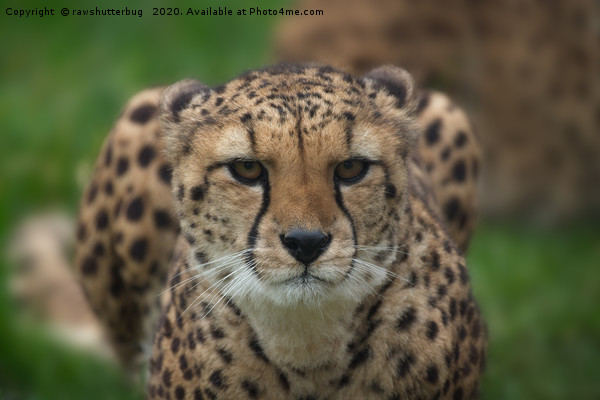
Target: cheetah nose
{"x":305,"y":246}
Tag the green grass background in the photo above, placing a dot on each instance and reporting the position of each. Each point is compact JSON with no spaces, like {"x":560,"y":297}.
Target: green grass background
{"x":63,"y":81}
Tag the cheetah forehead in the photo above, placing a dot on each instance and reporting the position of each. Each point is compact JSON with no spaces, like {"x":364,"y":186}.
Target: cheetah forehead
{"x":315,"y":105}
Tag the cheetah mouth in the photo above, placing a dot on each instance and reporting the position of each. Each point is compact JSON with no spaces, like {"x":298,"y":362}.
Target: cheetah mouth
{"x":305,"y":279}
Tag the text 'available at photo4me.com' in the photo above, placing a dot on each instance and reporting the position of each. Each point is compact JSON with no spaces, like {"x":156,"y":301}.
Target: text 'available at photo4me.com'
{"x":155,"y":11}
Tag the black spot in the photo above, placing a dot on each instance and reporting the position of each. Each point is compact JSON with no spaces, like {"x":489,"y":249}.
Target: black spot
{"x":190,"y":239}
{"x":146,"y":155}
{"x":435,"y":260}
{"x":135,"y":209}
{"x":200,"y":335}
{"x":460,"y":140}
{"x":197,"y":193}
{"x":198,"y":395}
{"x":166,"y":378}
{"x":464,"y":275}
{"x":462,"y":333}
{"x":432,"y":330}
{"x":138,"y":248}
{"x":251,"y":388}
{"x":165,"y":173}
{"x":175,"y":345}
{"x":180,"y":193}
{"x":108,"y":188}
{"x":284,"y":381}
{"x":101,"y":220}
{"x":143,"y":113}
{"x":89,"y":266}
{"x":452,"y":308}
{"x":432,"y":133}
{"x":432,"y":374}
{"x":404,"y":365}
{"x":451,"y":208}
{"x":406,"y":319}
{"x":225,"y":356}
{"x":216,"y":378}
{"x":473,"y":355}
{"x":116,"y":282}
{"x":349,"y":116}
{"x":216,"y":332}
{"x":344,"y":380}
{"x":449,"y":274}
{"x":470,"y":312}
{"x":122,"y":166}
{"x":445,"y":154}
{"x":162,"y":218}
{"x":92,"y":193}
{"x":459,"y":171}
{"x":360,"y":357}
{"x":390,"y":191}
{"x":179,"y":393}
{"x":167,"y":328}
{"x":442,"y":291}
{"x":218,"y":101}
{"x":458,"y":394}
{"x":200,"y":257}
{"x":257,"y":350}
{"x":183,"y":363}
{"x":246,"y":117}
{"x":99,"y":249}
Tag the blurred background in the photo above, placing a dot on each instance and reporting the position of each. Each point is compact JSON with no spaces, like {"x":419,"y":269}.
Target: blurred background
{"x":528,"y":72}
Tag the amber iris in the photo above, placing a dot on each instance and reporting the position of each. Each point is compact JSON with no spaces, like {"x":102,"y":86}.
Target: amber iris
{"x":248,"y":170}
{"x":350,"y":170}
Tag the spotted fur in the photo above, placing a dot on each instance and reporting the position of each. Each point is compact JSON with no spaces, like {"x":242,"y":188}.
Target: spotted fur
{"x":384,"y":310}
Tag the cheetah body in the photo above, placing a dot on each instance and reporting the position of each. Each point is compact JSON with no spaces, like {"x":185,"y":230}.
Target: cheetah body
{"x":384,"y":308}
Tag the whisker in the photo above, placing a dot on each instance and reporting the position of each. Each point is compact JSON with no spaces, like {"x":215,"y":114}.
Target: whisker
{"x":197,"y":266}
{"x":229,"y":288}
{"x":377,"y":267}
{"x":203,"y":274}
{"x":212,"y":288}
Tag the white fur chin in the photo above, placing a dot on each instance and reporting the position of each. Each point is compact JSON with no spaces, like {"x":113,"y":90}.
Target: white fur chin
{"x":303,"y":325}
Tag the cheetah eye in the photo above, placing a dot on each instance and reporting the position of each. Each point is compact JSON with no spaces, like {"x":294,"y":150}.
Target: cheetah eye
{"x":246,"y":171}
{"x":351,"y":171}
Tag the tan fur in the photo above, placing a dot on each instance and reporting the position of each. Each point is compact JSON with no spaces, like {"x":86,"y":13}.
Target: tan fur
{"x":384,"y":312}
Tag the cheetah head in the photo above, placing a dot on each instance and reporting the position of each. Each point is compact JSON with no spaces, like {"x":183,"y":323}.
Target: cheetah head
{"x":290,"y":182}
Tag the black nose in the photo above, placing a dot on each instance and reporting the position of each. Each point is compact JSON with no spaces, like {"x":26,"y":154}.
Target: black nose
{"x":305,"y":246}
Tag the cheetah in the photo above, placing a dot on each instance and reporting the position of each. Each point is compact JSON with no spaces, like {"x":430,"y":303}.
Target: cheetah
{"x":306,"y":228}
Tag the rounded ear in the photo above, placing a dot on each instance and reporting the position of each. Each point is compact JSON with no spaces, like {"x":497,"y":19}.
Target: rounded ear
{"x":173,"y":100}
{"x":178,"y":96}
{"x":396,"y":82}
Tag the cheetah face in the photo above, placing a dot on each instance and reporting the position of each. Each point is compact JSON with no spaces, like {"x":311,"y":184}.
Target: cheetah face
{"x":289,"y":182}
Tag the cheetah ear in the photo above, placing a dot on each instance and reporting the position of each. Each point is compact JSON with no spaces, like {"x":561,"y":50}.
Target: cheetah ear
{"x":175,"y":99}
{"x":178,"y":97}
{"x":396,"y":82}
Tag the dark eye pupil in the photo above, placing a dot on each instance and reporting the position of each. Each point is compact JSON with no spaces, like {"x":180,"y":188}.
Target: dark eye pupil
{"x":348,"y":164}
{"x":248,"y":164}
